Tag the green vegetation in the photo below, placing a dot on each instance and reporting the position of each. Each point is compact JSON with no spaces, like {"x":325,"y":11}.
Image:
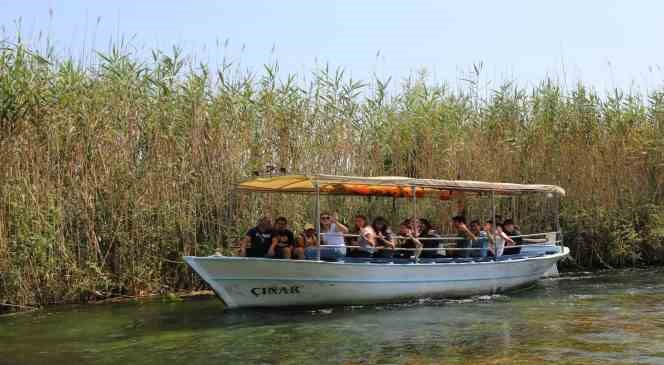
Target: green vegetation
{"x":110,"y":173}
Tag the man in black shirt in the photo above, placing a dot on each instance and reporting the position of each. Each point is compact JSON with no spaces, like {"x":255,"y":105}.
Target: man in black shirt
{"x":511,"y":230}
{"x":257,"y":241}
{"x":431,"y":239}
{"x":283,"y":240}
{"x":465,"y":236}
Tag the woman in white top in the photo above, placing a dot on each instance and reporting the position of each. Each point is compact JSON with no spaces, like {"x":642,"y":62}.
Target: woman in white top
{"x":366,"y":239}
{"x":332,"y":234}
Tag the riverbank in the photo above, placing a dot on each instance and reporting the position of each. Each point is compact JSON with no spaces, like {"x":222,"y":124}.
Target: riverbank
{"x":115,"y":169}
{"x":163,"y":297}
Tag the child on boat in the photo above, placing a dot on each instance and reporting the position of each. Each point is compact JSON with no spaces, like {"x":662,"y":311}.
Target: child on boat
{"x":307,"y":240}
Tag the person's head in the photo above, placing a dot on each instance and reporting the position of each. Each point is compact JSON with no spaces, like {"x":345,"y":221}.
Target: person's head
{"x":425,"y":226}
{"x":360,"y":221}
{"x":380,"y":224}
{"x":405,"y":227}
{"x":508,"y":225}
{"x":281,"y":223}
{"x":488,"y":225}
{"x":415,"y":225}
{"x":264,"y":224}
{"x":458,"y":221}
{"x":309,"y":229}
{"x":475,"y":226}
{"x":325,"y":220}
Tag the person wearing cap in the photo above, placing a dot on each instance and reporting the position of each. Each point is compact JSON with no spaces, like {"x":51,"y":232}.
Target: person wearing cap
{"x":305,"y":240}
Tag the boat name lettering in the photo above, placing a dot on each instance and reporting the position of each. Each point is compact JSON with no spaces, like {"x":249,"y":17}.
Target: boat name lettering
{"x":276,"y":290}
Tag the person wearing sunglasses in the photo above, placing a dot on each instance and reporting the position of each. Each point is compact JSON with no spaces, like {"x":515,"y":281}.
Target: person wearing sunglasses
{"x":332,"y":236}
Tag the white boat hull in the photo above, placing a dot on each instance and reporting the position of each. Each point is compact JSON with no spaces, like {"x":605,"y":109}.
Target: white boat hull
{"x":260,"y":282}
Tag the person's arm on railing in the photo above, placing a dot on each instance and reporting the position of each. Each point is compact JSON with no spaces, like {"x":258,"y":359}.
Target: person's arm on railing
{"x":504,"y":236}
{"x":389,"y":243}
{"x":467,"y":232}
{"x":418,"y":245}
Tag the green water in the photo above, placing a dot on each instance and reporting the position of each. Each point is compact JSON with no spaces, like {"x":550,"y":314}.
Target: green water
{"x":610,"y":318}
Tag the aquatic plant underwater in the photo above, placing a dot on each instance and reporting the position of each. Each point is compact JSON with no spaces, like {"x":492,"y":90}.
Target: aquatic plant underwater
{"x":112,"y":169}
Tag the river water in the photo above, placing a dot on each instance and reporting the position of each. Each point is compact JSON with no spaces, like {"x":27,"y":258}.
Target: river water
{"x":605,"y":318}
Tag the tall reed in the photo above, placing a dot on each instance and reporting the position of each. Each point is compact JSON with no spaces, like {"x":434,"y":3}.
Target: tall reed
{"x":110,"y":173}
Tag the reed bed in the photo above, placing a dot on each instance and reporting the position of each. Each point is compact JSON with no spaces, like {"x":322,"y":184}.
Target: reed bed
{"x":110,"y":172}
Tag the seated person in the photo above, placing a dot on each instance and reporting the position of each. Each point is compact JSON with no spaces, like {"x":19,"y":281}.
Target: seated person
{"x":464,"y":234}
{"x":257,"y":241}
{"x":482,"y":241}
{"x":332,"y":236}
{"x":511,"y":231}
{"x":411,"y":242}
{"x":366,"y":240}
{"x":283,"y":240}
{"x":430,"y":239}
{"x":384,"y":247}
{"x":307,"y":240}
{"x":497,"y":238}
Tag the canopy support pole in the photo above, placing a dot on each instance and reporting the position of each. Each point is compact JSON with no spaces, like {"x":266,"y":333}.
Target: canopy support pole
{"x":317,"y":218}
{"x":493,"y":208}
{"x":514,"y":215}
{"x":494,"y":226}
{"x":414,"y":204}
{"x":558,"y":232}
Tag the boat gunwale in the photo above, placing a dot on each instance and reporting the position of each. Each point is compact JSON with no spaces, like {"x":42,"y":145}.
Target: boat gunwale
{"x":563,"y":253}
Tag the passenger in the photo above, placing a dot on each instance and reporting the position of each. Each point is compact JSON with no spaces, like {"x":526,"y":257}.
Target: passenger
{"x":497,"y":238}
{"x":384,"y":247}
{"x":415,"y":226}
{"x":411,"y":243}
{"x":332,"y":234}
{"x":482,"y":241}
{"x":307,"y":240}
{"x":283,"y":240}
{"x":366,"y":239}
{"x":429,"y":238}
{"x":511,"y":230}
{"x":257,"y":241}
{"x":465,"y":236}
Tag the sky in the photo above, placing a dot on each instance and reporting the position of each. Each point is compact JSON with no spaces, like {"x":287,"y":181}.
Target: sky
{"x":606,"y":44}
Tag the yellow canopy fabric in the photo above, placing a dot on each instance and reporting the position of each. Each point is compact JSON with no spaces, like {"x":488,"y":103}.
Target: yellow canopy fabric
{"x":395,"y":186}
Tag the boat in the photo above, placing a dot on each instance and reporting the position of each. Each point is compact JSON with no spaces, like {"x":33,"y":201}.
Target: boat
{"x":265,"y":282}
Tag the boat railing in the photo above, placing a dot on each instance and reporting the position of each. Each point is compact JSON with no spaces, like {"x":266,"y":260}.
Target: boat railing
{"x":447,"y":238}
{"x":446,"y":248}
{"x":442,"y":246}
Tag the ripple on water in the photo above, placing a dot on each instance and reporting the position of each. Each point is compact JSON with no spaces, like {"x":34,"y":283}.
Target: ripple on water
{"x":577,"y":319}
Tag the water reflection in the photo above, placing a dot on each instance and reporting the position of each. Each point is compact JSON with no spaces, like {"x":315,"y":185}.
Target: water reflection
{"x":611,"y":317}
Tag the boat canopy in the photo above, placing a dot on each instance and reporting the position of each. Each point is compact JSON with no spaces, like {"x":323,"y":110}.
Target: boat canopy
{"x":390,"y":186}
